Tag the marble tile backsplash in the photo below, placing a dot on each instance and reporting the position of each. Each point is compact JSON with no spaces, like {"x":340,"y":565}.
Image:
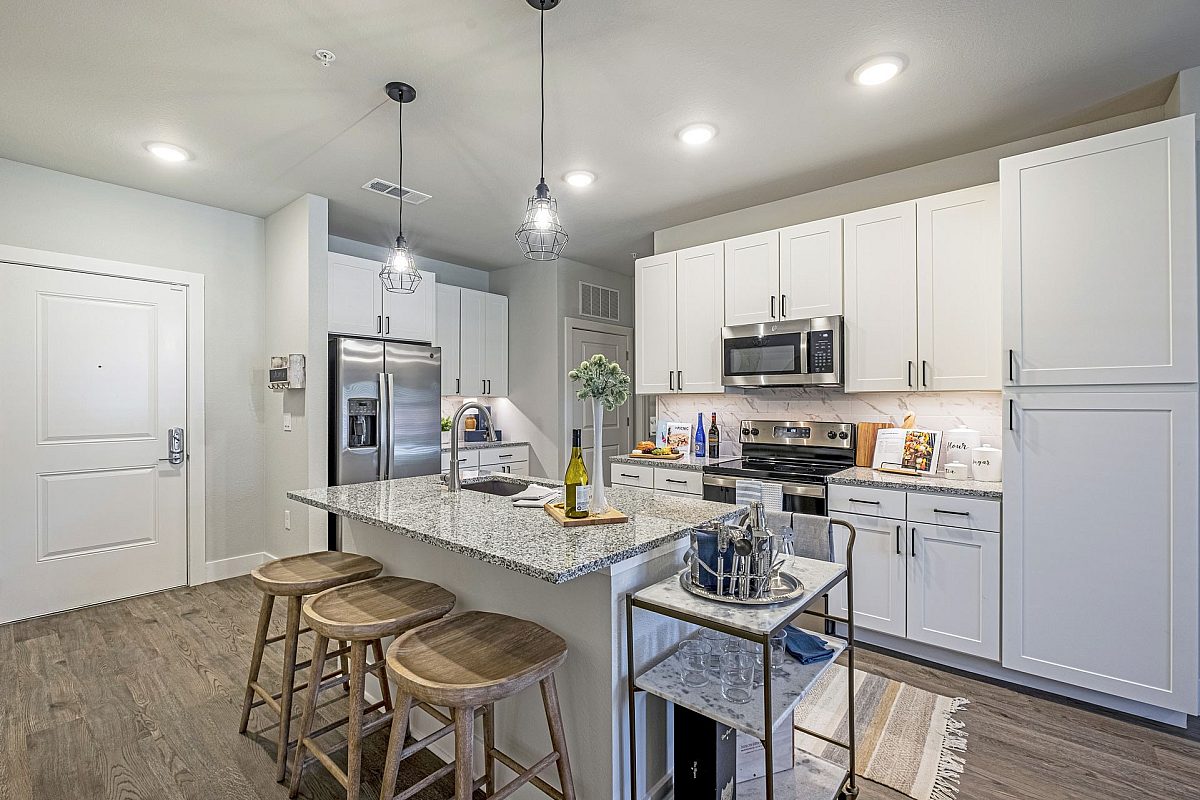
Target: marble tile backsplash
{"x":935,"y":410}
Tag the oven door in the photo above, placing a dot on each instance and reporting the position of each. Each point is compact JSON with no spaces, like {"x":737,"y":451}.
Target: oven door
{"x":798,"y":498}
{"x":770,"y":354}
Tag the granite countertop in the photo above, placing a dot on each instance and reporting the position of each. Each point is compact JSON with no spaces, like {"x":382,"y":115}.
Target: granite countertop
{"x":864,"y":476}
{"x":482,"y":445}
{"x":688,"y":462}
{"x":525,"y":540}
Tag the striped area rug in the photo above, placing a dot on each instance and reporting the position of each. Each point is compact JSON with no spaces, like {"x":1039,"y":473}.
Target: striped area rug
{"x":908,"y":739}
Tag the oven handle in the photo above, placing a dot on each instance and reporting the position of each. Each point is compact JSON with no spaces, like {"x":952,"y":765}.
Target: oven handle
{"x":790,"y":489}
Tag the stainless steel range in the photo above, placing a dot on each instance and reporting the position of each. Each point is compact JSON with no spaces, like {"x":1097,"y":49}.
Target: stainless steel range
{"x":796,"y":455}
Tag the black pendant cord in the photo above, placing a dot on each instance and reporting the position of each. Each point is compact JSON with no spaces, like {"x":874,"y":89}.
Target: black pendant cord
{"x":542,"y":47}
{"x":400,"y":169}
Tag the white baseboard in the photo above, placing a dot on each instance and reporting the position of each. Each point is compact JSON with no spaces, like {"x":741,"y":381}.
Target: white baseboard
{"x":233,"y":567}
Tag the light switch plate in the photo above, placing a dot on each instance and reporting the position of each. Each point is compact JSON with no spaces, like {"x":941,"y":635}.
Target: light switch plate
{"x":287,"y":420}
{"x":287,"y":520}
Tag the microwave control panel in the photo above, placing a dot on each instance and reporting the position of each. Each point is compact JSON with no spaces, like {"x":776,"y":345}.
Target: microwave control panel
{"x":820,"y":352}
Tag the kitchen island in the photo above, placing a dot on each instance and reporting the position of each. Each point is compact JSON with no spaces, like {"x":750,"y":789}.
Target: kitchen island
{"x":497,"y":557}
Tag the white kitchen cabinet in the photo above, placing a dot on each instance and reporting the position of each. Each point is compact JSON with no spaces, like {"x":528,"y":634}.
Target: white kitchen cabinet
{"x":1099,"y":259}
{"x":448,"y":321}
{"x":752,"y":279}
{"x":495,"y":344}
{"x":1100,"y":578}
{"x":412,"y":317}
{"x":954,"y":589}
{"x":470,"y":338}
{"x":636,"y":475}
{"x":355,"y":296}
{"x":810,"y":270}
{"x":677,"y":334}
{"x":958,"y":289}
{"x":881,"y":299}
{"x":880,"y":553}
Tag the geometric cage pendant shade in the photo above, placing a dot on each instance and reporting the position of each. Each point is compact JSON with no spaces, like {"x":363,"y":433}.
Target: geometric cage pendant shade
{"x":400,"y":273}
{"x":541,"y":236}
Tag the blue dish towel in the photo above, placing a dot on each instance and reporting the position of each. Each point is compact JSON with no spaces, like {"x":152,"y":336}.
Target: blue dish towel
{"x":806,"y":648}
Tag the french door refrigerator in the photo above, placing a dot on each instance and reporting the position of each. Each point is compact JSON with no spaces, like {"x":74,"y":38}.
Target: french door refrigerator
{"x":385,"y":408}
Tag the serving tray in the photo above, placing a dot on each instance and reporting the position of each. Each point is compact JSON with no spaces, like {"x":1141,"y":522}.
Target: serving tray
{"x":791,"y":589}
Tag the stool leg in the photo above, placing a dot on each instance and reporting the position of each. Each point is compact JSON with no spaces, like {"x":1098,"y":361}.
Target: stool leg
{"x":391,"y":767}
{"x":345,"y":662}
{"x":557,"y":736}
{"x":308,"y":705}
{"x":464,"y":751}
{"x":358,"y":675}
{"x":260,"y":643}
{"x":384,"y":688}
{"x":489,"y":742}
{"x":289,"y":681}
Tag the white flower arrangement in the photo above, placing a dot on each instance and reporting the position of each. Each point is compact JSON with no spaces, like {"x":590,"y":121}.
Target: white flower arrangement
{"x":603,"y":380}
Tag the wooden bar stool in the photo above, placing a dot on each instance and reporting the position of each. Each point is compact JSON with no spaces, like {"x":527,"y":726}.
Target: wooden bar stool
{"x":467,"y":663}
{"x":293,"y":577}
{"x":361,"y":614}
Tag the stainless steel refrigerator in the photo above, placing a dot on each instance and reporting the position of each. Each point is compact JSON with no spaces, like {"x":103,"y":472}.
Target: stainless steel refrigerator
{"x":385,"y":404}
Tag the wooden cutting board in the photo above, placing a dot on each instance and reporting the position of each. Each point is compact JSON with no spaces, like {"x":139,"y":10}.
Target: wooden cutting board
{"x":675,"y":457}
{"x":559,"y":515}
{"x":864,"y":451}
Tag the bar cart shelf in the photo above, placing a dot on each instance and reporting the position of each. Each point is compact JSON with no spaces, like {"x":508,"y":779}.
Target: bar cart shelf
{"x":812,"y":778}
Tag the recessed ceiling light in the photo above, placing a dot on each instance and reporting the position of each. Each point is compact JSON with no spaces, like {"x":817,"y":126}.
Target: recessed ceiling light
{"x":697,"y":133}
{"x":580,"y":177}
{"x":168,"y":152}
{"x":880,"y":69}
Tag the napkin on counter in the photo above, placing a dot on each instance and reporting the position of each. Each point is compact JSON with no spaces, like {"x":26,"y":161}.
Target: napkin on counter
{"x":534,"y":496}
{"x":805,"y":647}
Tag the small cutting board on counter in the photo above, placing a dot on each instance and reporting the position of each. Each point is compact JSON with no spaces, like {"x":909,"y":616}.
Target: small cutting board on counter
{"x":559,"y":514}
{"x":675,"y":457}
{"x":864,"y":451}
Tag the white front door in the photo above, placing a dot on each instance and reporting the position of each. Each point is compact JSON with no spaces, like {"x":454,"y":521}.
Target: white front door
{"x":615,"y":439}
{"x":94,"y":375}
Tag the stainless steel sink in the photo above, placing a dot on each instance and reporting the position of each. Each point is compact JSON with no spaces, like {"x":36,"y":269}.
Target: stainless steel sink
{"x":496,"y":487}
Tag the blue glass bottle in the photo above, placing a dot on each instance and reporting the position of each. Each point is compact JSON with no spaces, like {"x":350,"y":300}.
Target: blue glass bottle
{"x":699,"y":449}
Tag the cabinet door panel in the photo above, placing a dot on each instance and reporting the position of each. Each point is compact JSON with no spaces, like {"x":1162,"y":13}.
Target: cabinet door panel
{"x":699,"y":276}
{"x":495,"y":344}
{"x":752,"y":279}
{"x":1099,"y":259}
{"x":879,"y":573}
{"x":355,"y":296}
{"x":954,"y":589}
{"x":958,"y":289}
{"x":412,"y":317}
{"x":881,"y":299}
{"x":1100,"y":557}
{"x":448,"y":322}
{"x":471,"y":338}
{"x":655,"y":324}
{"x":810,"y":270}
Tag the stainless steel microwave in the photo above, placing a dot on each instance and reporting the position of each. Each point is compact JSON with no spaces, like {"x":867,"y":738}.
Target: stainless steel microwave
{"x":798,"y":352}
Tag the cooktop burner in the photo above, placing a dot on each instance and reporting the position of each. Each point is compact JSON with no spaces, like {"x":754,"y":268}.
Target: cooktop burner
{"x":811,"y":471}
{"x":790,"y":451}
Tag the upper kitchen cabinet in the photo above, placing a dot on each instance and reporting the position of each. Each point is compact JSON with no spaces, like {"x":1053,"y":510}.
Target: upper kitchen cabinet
{"x":473,"y":334}
{"x":752,"y":279}
{"x":810,"y":270}
{"x":360,"y":306}
{"x":958,"y":289}
{"x":1099,"y":259}
{"x":881,"y":299}
{"x":678,"y":312}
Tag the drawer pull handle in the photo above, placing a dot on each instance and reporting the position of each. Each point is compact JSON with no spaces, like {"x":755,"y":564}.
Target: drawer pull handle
{"x":673,"y":480}
{"x":627,"y":475}
{"x":865,"y":502}
{"x":953,"y":513}
{"x":507,"y":456}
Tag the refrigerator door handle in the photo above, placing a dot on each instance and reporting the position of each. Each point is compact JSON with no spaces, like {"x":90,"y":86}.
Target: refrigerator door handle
{"x":385,"y":425}
{"x":391,"y":449}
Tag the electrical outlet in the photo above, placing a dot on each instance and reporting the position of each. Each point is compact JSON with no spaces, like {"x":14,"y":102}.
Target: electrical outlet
{"x":287,"y":420}
{"x":287,"y":520}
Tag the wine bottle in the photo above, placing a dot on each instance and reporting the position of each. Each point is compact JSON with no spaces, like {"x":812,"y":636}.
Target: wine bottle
{"x":578,"y":492}
{"x":699,"y":450}
{"x":714,"y":439}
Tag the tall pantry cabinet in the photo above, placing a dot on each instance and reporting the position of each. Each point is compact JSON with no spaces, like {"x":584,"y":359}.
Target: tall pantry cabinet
{"x":1101,"y":539}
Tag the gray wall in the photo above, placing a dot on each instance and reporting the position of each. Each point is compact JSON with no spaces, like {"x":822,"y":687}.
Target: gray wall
{"x":54,"y":211}
{"x":447,"y":273}
{"x":970,"y":169}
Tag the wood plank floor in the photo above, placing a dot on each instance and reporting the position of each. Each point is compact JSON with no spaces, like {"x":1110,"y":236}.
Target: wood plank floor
{"x":140,"y":700}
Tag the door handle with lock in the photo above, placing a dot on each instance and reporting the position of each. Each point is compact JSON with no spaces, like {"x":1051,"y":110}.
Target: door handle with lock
{"x":175,"y":454}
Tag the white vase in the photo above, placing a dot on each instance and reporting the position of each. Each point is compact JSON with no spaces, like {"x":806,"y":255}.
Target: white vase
{"x":599,"y":503}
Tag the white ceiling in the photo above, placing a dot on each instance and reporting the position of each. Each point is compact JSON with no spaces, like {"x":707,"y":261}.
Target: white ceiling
{"x":85,"y":84}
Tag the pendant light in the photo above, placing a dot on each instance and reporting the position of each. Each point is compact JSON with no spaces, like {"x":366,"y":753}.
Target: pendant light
{"x":541,"y":237}
{"x":399,"y":273}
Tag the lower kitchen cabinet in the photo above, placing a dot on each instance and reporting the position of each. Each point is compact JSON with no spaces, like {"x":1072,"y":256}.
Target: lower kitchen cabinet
{"x":663,"y":479}
{"x":954,"y":589}
{"x":880,"y":573}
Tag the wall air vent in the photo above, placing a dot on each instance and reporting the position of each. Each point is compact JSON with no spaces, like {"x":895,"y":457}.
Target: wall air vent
{"x":599,"y":302}
{"x":380,"y":186}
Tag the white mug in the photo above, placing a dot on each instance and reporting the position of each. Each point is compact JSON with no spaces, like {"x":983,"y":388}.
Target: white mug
{"x":985,"y":464}
{"x":956,"y":471}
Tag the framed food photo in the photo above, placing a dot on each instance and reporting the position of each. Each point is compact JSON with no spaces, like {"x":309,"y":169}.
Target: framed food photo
{"x":908,"y":451}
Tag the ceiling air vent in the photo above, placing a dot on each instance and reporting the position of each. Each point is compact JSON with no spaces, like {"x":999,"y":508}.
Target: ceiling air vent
{"x":396,"y":192}
{"x":599,"y":302}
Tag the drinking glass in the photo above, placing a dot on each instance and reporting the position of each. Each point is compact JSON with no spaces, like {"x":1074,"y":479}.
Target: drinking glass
{"x":737,"y":677}
{"x":693,"y":662}
{"x":715,"y":640}
{"x":778,"y":651}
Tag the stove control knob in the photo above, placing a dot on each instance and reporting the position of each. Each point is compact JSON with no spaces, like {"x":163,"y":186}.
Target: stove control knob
{"x":843,"y":435}
{"x":832,"y":434}
{"x":745,"y":431}
{"x":754,"y":431}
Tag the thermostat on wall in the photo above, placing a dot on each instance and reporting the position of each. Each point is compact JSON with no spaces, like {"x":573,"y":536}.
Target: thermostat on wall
{"x":286,"y":372}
